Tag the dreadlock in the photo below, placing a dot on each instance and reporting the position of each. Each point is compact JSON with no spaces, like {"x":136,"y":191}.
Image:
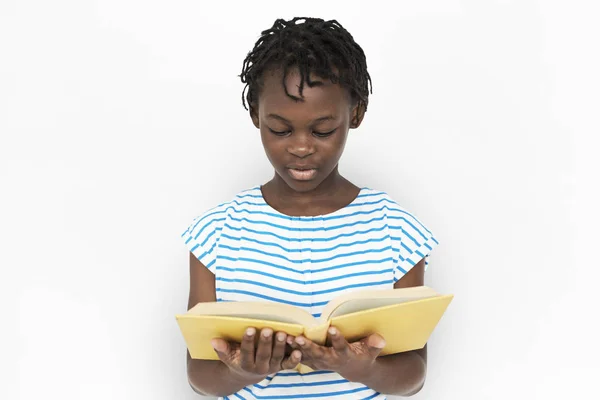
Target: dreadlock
{"x":312,"y":46}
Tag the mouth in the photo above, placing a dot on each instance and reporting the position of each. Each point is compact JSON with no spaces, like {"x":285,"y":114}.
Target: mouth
{"x":302,"y":173}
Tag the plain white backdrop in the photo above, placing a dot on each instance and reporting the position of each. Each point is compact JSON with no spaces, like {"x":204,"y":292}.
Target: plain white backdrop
{"x":120,"y":121}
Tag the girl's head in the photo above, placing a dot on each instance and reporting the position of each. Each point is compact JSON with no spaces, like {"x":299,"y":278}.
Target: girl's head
{"x":306,"y":85}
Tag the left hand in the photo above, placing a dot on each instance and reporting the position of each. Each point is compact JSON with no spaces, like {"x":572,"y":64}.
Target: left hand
{"x":350,"y":360}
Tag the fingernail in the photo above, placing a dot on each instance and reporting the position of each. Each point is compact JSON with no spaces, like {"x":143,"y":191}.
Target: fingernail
{"x":266,"y":333}
{"x":300,"y":341}
{"x":213,"y":342}
{"x":290,"y":340}
{"x":250,"y":331}
{"x":297,"y":355}
{"x":332,"y":331}
{"x":380,"y":344}
{"x":280,"y":336}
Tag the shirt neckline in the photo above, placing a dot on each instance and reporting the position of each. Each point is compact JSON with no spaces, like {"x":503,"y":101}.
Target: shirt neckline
{"x":307,"y":217}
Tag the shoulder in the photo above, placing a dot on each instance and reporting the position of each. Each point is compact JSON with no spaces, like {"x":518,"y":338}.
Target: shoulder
{"x":382,"y":201}
{"x":403,"y":221}
{"x":203,"y":234}
{"x":411,"y":240}
{"x":216,"y":216}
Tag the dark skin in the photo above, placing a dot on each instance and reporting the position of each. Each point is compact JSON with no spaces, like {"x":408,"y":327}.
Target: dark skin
{"x":308,"y":133}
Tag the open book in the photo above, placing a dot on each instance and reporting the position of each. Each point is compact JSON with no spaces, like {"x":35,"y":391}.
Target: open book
{"x":404,"y":317}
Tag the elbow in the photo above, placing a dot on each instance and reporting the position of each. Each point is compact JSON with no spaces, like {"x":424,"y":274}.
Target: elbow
{"x":202,"y":392}
{"x":413,"y":381}
{"x":192,"y":375}
{"x":197,"y":390}
{"x":203,"y":383}
{"x":409,"y":392}
{"x":415,"y":391}
{"x":420,"y":376}
{"x":195,"y":387}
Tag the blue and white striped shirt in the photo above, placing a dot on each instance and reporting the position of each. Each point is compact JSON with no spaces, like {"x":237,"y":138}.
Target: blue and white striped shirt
{"x":259,"y":254}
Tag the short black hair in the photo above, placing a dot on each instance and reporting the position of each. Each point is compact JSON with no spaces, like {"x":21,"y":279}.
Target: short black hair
{"x":313,"y":46}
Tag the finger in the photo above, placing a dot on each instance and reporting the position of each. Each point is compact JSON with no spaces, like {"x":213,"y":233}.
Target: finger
{"x":301,"y":342}
{"x":247,"y":350}
{"x":278,"y":351}
{"x":338,"y":341}
{"x":309,"y":349}
{"x":373,"y":344}
{"x":292,"y":361}
{"x":290,"y":340}
{"x":293,"y":344}
{"x":264,"y":350}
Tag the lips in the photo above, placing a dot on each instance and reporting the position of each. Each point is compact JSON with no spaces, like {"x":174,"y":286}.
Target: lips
{"x":301,"y":167}
{"x":302,"y":172}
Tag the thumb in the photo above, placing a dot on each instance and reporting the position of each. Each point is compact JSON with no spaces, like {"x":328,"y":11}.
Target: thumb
{"x":292,"y":361}
{"x":373,"y":344}
{"x":223,"y":349}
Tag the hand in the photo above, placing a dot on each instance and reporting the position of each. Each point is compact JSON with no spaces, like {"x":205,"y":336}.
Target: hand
{"x":254,"y":364}
{"x":350,"y":360}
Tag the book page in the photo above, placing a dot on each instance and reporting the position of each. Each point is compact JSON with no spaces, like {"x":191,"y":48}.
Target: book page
{"x":266,"y":317}
{"x":255,"y":310}
{"x":369,"y":299}
{"x":405,"y":326}
{"x":353,"y":306}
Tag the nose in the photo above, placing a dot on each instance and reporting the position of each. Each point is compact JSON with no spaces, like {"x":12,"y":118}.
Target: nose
{"x":301,"y":145}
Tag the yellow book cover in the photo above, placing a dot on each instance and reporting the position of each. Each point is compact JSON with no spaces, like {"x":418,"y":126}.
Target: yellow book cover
{"x":404,"y":317}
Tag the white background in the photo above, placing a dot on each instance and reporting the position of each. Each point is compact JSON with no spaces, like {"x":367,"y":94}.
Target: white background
{"x":120,"y":121}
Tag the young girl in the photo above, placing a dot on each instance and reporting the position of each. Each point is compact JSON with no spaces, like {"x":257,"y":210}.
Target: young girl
{"x":308,"y":235}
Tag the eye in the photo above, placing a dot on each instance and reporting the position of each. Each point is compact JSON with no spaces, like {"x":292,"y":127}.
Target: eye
{"x":324,"y":134}
{"x":279,"y":133}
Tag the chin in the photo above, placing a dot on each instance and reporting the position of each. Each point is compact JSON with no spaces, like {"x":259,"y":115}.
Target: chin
{"x":302,"y":186}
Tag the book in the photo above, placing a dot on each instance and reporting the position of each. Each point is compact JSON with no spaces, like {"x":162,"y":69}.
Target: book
{"x":404,"y":317}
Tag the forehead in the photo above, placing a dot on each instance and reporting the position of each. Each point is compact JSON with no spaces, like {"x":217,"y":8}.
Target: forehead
{"x":322,"y":98}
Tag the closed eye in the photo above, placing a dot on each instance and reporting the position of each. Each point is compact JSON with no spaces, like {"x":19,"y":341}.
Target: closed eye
{"x":324,"y":134}
{"x":279,"y":133}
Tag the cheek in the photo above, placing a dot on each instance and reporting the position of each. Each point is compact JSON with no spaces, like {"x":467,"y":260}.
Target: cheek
{"x":272,"y":147}
{"x":335,"y":148}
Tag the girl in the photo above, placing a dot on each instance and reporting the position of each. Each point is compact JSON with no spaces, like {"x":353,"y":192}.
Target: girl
{"x":308,"y":235}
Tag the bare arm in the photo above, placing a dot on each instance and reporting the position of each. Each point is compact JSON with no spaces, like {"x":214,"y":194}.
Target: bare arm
{"x":208,"y":377}
{"x":240,"y":364}
{"x":401,"y":374}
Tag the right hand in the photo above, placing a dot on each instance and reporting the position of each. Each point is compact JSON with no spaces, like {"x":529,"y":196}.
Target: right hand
{"x":255,"y":363}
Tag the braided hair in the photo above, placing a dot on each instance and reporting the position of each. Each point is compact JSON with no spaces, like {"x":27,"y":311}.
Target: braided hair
{"x":312,"y":46}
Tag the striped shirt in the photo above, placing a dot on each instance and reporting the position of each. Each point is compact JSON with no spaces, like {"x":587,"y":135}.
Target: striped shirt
{"x":259,"y":254}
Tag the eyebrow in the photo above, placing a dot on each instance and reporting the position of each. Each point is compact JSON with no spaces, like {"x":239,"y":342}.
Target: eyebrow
{"x":320,"y":119}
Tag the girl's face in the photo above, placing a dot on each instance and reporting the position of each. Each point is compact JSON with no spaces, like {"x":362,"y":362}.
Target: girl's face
{"x":304,"y":139}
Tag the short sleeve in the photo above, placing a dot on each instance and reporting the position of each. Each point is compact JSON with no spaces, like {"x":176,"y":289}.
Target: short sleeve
{"x":411,"y":241}
{"x":202,"y":237}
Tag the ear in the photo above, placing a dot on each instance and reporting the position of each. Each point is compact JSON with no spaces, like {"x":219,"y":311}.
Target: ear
{"x":254,"y":116}
{"x":357,"y":115}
